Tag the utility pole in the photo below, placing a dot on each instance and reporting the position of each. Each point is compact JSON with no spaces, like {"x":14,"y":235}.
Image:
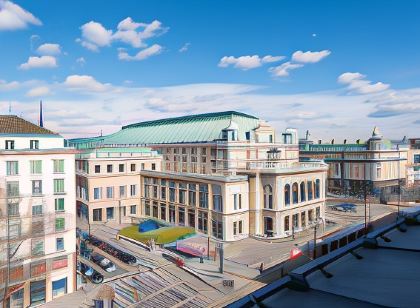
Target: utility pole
{"x":365,"y":197}
{"x":316,"y":225}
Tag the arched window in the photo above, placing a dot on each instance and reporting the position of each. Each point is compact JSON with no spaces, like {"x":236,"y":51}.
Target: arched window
{"x":268,"y":197}
{"x":310,"y":190}
{"x":295,"y":192}
{"x":302,"y":192}
{"x":287,"y":194}
{"x":317,"y":188}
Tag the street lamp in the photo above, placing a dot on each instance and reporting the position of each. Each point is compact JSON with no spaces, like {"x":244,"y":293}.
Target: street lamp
{"x":317,"y":221}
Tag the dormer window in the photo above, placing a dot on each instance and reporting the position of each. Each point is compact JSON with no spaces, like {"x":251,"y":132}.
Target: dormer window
{"x":10,"y":145}
{"x":230,"y":133}
{"x":34,"y":144}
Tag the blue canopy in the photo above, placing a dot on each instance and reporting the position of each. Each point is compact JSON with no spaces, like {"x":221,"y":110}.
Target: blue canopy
{"x":148,"y":225}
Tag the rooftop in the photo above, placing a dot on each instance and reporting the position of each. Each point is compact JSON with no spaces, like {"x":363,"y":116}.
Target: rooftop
{"x":198,"y":128}
{"x":11,"y":124}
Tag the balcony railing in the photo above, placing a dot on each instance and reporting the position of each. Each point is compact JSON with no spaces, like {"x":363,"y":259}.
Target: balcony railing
{"x":286,"y":166}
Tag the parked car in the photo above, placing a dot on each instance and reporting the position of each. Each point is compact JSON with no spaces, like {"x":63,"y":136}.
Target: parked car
{"x":103,"y":262}
{"x":344,"y":207}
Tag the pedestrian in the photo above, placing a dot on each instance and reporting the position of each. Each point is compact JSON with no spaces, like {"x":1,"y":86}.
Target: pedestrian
{"x":261,"y":267}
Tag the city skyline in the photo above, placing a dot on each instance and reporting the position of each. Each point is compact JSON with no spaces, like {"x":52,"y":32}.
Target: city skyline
{"x":283,"y":62}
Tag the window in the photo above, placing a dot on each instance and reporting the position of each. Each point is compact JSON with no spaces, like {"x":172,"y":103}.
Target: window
{"x":109,"y":168}
{"x":36,"y":187}
{"x":97,"y":193}
{"x":133,"y":209}
{"x":317,"y":188}
{"x":318,"y":212}
{"x":123,"y":193}
{"x":36,"y":166}
{"x":37,"y":292}
{"x":109,"y":213}
{"x":37,"y":210}
{"x":147,"y":208}
{"x":237,"y":201}
{"x":303,"y":219}
{"x":172,"y":191}
{"x":110,"y":192}
{"x":268,"y":197}
{"x":172,"y":214}
{"x":9,"y":145}
{"x":192,"y":195}
{"x":217,"y":198}
{"x":295,"y":193}
{"x":378,"y":170}
{"x":58,"y":186}
{"x":202,"y":221}
{"x":163,"y":189}
{"x":59,"y":262}
{"x":59,"y":224}
{"x":133,"y":190}
{"x":97,"y":168}
{"x":12,"y":168}
{"x":240,"y":230}
{"x":59,"y":205}
{"x":58,"y":165}
{"x":142,"y":166}
{"x":34,"y":144}
{"x":286,"y":223}
{"x":302,"y":192}
{"x":121,"y":167}
{"x":133,"y":167}
{"x":163,"y":211}
{"x":12,"y":189}
{"x":59,"y":243}
{"x":97,"y":214}
{"x":59,"y":287}
{"x":182,"y":193}
{"x":310,"y":190}
{"x":181,"y":216}
{"x":37,"y":247}
{"x":287,"y":194}
{"x":217,"y":228}
{"x":13,"y":209}
{"x":203,"y":196}
{"x":234,"y":227}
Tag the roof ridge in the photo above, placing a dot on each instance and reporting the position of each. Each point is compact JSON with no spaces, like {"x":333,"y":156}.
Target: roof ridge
{"x":194,"y":117}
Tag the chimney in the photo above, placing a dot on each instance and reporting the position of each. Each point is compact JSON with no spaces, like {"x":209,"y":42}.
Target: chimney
{"x":345,"y":141}
{"x":319,"y":141}
{"x":332,"y":141}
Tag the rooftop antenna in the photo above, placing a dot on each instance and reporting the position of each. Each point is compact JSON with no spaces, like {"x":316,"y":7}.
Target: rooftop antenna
{"x":41,"y":120}
{"x":101,"y":132}
{"x":10,"y":107}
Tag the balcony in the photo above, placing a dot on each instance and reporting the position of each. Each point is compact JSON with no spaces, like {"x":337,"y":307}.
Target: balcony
{"x":277,"y":166}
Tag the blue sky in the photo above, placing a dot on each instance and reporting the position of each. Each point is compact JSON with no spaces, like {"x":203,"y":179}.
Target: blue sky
{"x":335,"y":68}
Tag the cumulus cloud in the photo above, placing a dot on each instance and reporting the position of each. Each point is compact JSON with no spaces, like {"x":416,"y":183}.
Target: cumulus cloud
{"x":81,"y":61}
{"x":8,"y":86}
{"x":358,"y":83}
{"x":310,"y":56}
{"x":39,"y":62}
{"x":141,"y":55}
{"x":85,"y":83}
{"x":38,"y":91}
{"x":284,"y":69}
{"x":95,"y":35}
{"x":49,"y":49}
{"x":185,"y":47}
{"x":14,"y":17}
{"x":248,"y":62}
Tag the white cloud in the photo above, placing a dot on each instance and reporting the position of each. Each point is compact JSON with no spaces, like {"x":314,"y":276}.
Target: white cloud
{"x":8,"y":86}
{"x":13,"y":17}
{"x":95,"y":35}
{"x":81,"y":61}
{"x":358,"y":83}
{"x":49,"y":49}
{"x":38,"y":91}
{"x":310,"y":56}
{"x":142,"y":54}
{"x":247,"y":62}
{"x":39,"y":62}
{"x":185,"y":47}
{"x":85,"y":83}
{"x":283,"y":69}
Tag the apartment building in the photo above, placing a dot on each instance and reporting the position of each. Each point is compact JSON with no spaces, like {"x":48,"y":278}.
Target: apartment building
{"x":37,"y":214}
{"x":376,"y":163}
{"x":227,"y":174}
{"x":108,"y":183}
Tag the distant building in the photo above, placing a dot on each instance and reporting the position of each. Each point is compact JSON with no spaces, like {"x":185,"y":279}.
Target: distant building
{"x":414,"y":160}
{"x":227,"y":174}
{"x":37,"y":214}
{"x":376,"y":163}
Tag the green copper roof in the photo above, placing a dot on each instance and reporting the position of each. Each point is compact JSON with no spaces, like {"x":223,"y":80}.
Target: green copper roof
{"x":188,"y":129}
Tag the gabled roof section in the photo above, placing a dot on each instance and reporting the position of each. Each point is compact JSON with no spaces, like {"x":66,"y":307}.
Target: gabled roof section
{"x":11,"y":124}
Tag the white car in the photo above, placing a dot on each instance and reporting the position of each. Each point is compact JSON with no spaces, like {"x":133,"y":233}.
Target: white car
{"x":103,"y":262}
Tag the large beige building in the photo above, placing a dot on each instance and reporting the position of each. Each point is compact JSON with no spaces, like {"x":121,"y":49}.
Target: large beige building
{"x":227,"y":174}
{"x":37,"y":214}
